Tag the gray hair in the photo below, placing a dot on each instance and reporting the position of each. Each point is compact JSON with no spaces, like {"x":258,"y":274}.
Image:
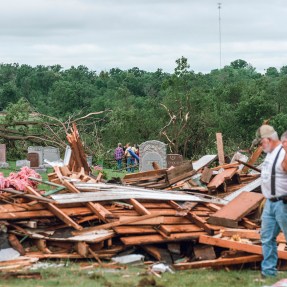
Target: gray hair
{"x":284,"y":136}
{"x":274,"y":136}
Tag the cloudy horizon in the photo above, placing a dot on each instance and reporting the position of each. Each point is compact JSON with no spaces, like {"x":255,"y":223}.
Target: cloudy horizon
{"x":146,"y":34}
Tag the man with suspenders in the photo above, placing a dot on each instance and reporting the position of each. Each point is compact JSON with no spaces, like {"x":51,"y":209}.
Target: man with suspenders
{"x":274,"y":189}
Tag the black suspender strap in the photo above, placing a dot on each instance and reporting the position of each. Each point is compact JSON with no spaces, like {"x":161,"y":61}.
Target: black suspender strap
{"x":273,"y":175}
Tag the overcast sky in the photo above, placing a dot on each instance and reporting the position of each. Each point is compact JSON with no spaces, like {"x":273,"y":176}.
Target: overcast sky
{"x":149,"y":34}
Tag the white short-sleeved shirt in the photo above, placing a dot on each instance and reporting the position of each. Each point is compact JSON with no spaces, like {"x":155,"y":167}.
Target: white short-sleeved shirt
{"x":280,"y":174}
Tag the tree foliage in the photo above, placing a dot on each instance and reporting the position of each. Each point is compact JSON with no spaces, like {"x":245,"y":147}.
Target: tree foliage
{"x":184,"y":109}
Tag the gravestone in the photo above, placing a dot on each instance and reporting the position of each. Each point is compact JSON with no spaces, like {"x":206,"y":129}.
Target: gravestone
{"x":51,"y":153}
{"x":174,"y":160}
{"x":21,"y":163}
{"x":2,"y":152}
{"x":33,"y":157}
{"x":67,"y":156}
{"x":152,"y":151}
{"x":3,"y":163}
{"x":39,"y":151}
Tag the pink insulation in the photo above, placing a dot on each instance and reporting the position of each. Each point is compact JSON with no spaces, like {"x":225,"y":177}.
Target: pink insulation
{"x":19,"y":180}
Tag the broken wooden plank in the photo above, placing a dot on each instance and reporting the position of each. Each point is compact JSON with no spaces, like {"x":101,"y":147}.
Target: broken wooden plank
{"x":158,"y":253}
{"x":218,"y":262}
{"x":220,"y":151}
{"x":249,"y":165}
{"x":96,"y":208}
{"x":29,"y":196}
{"x":57,"y":211}
{"x":204,"y":161}
{"x":200,"y":222}
{"x":253,"y":158}
{"x":206,"y":175}
{"x":203,"y":252}
{"x":221,"y":178}
{"x":140,"y":209}
{"x":148,"y":239}
{"x":114,"y":224}
{"x":175,"y":172}
{"x":230,"y":214}
{"x":249,"y":234}
{"x":121,"y":194}
{"x":79,"y":211}
{"x":250,"y":248}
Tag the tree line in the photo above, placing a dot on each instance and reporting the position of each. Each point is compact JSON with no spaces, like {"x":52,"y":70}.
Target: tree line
{"x":183,"y":109}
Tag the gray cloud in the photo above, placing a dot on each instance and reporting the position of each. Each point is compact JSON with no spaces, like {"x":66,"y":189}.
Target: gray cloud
{"x":149,"y":34}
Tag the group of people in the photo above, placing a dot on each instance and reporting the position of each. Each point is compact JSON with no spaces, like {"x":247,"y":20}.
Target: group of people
{"x":128,"y":155}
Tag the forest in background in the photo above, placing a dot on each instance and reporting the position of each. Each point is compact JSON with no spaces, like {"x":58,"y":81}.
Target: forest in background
{"x":183,"y":109}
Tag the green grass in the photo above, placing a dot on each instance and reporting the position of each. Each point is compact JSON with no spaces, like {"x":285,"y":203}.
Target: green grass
{"x":110,"y":173}
{"x":139,"y":277}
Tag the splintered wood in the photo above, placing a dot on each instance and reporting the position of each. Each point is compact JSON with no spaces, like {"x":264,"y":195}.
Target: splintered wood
{"x":184,"y":216}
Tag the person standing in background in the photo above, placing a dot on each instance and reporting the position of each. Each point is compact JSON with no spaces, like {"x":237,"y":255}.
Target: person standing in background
{"x":119,"y":153}
{"x":129,"y":152}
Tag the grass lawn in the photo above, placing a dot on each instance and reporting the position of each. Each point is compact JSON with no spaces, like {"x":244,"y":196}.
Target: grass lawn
{"x":71,"y":275}
{"x":109,"y":173}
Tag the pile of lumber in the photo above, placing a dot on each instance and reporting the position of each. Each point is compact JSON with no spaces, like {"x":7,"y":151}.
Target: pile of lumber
{"x":90,"y":219}
{"x":202,"y":176}
{"x":172,"y":215}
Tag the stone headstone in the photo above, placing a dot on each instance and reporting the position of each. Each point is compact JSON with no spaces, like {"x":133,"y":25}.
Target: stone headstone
{"x":33,"y":157}
{"x":174,"y":160}
{"x":4,"y":165}
{"x":67,"y":156}
{"x":39,"y":151}
{"x":2,"y":152}
{"x":21,"y":163}
{"x":152,"y":151}
{"x":51,"y":153}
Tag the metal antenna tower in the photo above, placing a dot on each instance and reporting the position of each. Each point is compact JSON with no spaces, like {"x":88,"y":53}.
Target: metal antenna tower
{"x":219,"y":25}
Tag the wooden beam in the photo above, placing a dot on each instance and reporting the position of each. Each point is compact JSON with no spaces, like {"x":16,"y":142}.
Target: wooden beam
{"x":96,"y":208}
{"x":140,"y":209}
{"x":235,"y":210}
{"x":79,"y":211}
{"x":218,"y":262}
{"x":206,"y":175}
{"x":56,"y":211}
{"x":253,"y":159}
{"x":114,"y":224}
{"x":200,"y":222}
{"x":254,"y":249}
{"x":221,"y":178}
{"x":220,"y":151}
{"x":249,"y":165}
{"x":157,"y":238}
{"x":250,"y":234}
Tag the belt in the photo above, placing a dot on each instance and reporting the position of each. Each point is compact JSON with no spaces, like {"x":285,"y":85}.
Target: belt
{"x":275,"y":199}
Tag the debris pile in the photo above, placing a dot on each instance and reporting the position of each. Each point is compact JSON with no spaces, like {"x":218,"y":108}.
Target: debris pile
{"x":189,"y":216}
